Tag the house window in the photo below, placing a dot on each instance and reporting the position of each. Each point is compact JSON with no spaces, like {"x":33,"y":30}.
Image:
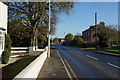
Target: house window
{"x":1,"y":42}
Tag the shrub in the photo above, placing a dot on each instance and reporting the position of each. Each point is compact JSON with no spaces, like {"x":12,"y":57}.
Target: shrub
{"x":7,"y":43}
{"x":78,"y":41}
{"x":88,"y":44}
{"x":42,"y":41}
{"x":5,"y":56}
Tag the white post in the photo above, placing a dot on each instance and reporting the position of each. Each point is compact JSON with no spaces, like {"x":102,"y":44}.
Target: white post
{"x":49,"y":32}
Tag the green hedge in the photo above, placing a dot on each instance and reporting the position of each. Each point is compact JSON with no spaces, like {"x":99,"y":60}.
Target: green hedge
{"x":11,"y":70}
{"x":7,"y":43}
{"x":5,"y":56}
{"x":7,"y":50}
{"x":88,"y":44}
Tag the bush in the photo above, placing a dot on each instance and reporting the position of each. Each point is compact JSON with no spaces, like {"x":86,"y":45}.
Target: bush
{"x":78,"y":41}
{"x":42,"y":41}
{"x":69,"y":38}
{"x":88,"y":44}
{"x":5,"y":56}
{"x":7,"y":43}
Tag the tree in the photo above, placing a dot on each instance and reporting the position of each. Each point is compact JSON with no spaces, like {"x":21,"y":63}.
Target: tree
{"x":107,"y":36}
{"x":42,"y":41}
{"x":103,"y":39}
{"x":20,"y":36}
{"x":78,"y":41}
{"x":36,"y":14}
{"x":68,"y":38}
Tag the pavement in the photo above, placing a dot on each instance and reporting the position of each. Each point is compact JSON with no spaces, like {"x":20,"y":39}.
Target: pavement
{"x":53,"y":68}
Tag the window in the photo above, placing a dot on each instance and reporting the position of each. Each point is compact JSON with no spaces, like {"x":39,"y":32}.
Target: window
{"x":1,"y":42}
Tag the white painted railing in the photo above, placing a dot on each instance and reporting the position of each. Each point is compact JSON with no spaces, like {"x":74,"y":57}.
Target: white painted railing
{"x":33,"y":69}
{"x":19,"y":49}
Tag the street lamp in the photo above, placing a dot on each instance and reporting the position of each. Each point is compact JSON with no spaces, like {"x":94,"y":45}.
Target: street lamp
{"x":49,"y":32}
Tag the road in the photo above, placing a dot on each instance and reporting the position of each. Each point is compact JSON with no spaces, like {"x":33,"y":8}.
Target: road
{"x":89,"y":64}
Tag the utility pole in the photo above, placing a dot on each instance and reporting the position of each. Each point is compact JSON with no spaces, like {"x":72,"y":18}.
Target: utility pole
{"x":96,"y":29}
{"x":49,"y":31}
{"x":95,"y":18}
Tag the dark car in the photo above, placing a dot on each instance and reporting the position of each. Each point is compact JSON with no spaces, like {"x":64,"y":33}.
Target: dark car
{"x":64,"y":44}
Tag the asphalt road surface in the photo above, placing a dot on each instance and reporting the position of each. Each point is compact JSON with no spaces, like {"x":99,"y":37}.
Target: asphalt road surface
{"x":90,"y":64}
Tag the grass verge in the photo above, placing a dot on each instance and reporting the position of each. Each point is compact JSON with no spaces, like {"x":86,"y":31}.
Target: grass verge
{"x":10,"y":71}
{"x":115,"y":49}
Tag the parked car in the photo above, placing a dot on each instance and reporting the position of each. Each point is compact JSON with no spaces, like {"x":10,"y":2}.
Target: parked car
{"x":64,"y":44}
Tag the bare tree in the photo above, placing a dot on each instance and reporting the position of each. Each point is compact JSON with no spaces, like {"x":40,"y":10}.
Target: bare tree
{"x":36,"y":14}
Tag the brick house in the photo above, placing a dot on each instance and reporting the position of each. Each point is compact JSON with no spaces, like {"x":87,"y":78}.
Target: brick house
{"x":88,"y":34}
{"x":60,"y":40}
{"x":3,"y":24}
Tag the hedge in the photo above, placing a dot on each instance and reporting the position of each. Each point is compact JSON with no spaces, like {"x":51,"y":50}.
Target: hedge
{"x":5,"y":57}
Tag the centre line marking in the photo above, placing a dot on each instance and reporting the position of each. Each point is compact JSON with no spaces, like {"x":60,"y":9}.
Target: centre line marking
{"x":78,"y":52}
{"x":92,"y":57}
{"x":113,"y":65}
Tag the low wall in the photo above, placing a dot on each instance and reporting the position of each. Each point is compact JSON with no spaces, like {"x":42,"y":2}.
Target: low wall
{"x":33,"y":69}
{"x":35,"y":52}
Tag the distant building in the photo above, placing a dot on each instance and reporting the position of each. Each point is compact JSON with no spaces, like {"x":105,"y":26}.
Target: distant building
{"x":88,"y":34}
{"x":3,"y":24}
{"x":60,"y":40}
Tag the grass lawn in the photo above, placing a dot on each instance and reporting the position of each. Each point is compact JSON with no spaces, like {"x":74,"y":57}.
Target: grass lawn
{"x":10,"y":71}
{"x":115,"y":49}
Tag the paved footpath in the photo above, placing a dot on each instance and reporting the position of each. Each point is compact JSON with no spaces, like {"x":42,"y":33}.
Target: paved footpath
{"x":53,"y":68}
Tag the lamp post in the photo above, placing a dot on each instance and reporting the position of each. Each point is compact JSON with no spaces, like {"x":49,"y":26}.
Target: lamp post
{"x":49,"y":32}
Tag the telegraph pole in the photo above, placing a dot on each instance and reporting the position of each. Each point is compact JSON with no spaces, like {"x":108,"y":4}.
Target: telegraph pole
{"x":96,"y":29}
{"x":95,"y":18}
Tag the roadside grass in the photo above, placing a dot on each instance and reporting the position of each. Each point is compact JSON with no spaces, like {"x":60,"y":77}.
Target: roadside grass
{"x":115,"y":49}
{"x":10,"y":71}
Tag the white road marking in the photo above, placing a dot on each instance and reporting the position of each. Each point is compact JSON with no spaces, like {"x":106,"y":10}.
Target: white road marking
{"x":78,"y":52}
{"x":65,"y":66}
{"x":113,"y":65}
{"x":71,"y":69}
{"x":92,"y":57}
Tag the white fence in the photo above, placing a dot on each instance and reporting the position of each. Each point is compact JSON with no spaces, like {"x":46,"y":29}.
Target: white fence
{"x":19,"y":49}
{"x":33,"y":69}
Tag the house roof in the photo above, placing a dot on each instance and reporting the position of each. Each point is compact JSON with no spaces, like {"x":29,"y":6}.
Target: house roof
{"x":5,"y":3}
{"x":95,"y":26}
